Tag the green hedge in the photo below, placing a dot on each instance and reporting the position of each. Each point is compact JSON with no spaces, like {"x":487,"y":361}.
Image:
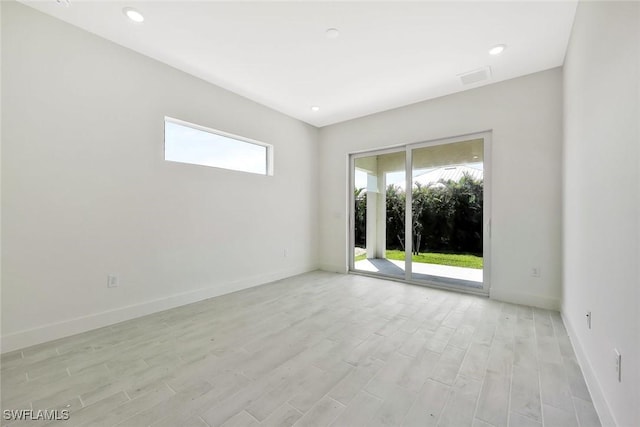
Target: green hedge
{"x":446,"y":217}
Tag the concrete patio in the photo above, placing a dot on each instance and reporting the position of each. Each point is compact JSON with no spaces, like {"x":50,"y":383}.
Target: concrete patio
{"x":470,"y":277}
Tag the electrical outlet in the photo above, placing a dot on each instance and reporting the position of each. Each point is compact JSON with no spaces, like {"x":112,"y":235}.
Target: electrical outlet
{"x":535,"y":271}
{"x":284,"y":253}
{"x":112,"y":281}
{"x":589,"y":319}
{"x":618,"y":361}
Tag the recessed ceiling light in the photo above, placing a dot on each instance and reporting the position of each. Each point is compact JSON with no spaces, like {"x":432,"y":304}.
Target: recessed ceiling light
{"x":497,"y":50}
{"x":332,"y":33}
{"x":133,"y":14}
{"x":315,"y":108}
{"x":65,"y":3}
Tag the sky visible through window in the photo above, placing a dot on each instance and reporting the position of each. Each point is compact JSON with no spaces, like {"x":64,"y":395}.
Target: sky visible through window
{"x":188,"y":145}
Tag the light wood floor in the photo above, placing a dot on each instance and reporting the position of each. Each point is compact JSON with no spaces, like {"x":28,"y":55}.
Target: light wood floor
{"x":313,"y":350}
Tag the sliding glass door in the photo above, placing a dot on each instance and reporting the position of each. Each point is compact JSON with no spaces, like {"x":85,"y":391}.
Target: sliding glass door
{"x":437,"y":232}
{"x":447,"y":213}
{"x":378,"y":213}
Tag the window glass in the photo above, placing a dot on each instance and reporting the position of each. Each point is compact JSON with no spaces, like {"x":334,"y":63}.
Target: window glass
{"x":186,"y":143}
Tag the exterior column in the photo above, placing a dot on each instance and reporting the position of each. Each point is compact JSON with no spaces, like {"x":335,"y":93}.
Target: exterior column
{"x":372,"y":215}
{"x":381,"y":216}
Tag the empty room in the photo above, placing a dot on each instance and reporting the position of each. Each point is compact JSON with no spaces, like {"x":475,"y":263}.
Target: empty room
{"x":320,"y":213}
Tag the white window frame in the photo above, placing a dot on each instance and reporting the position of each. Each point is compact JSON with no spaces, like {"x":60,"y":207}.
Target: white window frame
{"x":269,"y":147}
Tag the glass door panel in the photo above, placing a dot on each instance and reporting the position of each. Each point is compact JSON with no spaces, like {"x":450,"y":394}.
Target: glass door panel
{"x":447,"y":197}
{"x":378,"y":242}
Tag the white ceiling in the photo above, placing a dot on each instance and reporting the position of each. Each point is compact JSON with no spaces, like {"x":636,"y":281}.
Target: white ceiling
{"x":388,"y":54}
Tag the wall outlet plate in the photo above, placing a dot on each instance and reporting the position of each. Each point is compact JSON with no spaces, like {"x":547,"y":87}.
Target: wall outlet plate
{"x":618,"y":362}
{"x":588,"y":319}
{"x":112,"y":281}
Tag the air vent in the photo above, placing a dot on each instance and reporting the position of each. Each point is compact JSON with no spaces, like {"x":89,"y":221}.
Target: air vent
{"x":475,"y":76}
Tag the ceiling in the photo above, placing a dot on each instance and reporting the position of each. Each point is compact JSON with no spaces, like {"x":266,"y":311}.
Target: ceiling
{"x":387,"y":54}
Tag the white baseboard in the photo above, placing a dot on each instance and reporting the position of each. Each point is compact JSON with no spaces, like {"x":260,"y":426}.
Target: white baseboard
{"x":334,"y":268}
{"x":597,"y":396}
{"x":525,"y":299}
{"x":53,"y":331}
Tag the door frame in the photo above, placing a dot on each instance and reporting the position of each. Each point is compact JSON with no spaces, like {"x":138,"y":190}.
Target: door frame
{"x":486,"y":210}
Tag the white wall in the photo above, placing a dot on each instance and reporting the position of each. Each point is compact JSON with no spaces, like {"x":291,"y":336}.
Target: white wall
{"x":86,"y":192}
{"x":525,"y":115}
{"x":0,"y":183}
{"x":601,"y":202}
